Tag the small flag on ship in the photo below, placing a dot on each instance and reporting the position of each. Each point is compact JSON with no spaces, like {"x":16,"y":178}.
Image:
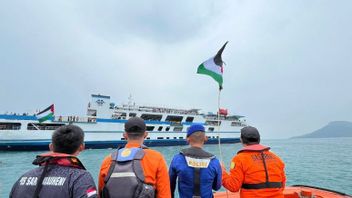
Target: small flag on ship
{"x":223,"y":111}
{"x":46,"y":114}
{"x":213,"y":67}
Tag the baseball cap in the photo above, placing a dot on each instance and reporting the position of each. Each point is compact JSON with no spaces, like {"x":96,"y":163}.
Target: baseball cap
{"x":195,"y":128}
{"x":135,"y":124}
{"x":250,"y":134}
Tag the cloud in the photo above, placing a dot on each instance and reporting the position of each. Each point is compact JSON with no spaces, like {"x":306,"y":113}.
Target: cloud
{"x":288,"y":62}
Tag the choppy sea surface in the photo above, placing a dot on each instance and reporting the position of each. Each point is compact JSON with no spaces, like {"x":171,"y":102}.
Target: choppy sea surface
{"x":325,"y":162}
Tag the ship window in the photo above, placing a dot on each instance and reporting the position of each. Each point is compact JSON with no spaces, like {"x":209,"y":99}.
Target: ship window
{"x":160,"y":128}
{"x":132,"y":115}
{"x":212,"y":122}
{"x":167,"y":137}
{"x":176,"y":124}
{"x":178,"y":128}
{"x":160,"y":138}
{"x":235,"y":123}
{"x":167,"y":128}
{"x":177,"y":119}
{"x":151,"y":117}
{"x":211,"y":129}
{"x":10,"y":126}
{"x":123,"y":138}
{"x":189,"y":119}
{"x":119,"y":115}
{"x":92,"y":112}
{"x":175,"y":137}
{"x":180,"y":137}
{"x":91,"y":120}
{"x":43,"y":126}
{"x":208,"y":137}
{"x":150,"y":128}
{"x":148,"y":138}
{"x":213,"y":136}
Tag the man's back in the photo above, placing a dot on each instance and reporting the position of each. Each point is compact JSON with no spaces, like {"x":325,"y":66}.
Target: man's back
{"x":154,"y":168}
{"x":210,"y":177}
{"x":253,"y":163}
{"x":60,"y":182}
{"x":248,"y":172}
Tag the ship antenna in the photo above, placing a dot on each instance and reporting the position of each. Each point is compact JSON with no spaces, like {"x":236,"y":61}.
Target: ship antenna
{"x":130,"y":100}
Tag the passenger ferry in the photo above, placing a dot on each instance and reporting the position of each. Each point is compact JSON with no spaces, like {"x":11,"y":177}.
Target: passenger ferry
{"x":104,"y":125}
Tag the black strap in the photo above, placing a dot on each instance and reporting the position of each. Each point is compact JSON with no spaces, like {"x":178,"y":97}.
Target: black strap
{"x":138,"y":170}
{"x":112,"y":167}
{"x":107,"y":177}
{"x":262,"y":185}
{"x":267,"y":184}
{"x":196,"y":182}
{"x":40,"y":180}
{"x":265,"y":168}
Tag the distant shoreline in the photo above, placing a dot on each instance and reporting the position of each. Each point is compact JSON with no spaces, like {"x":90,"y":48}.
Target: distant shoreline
{"x":331,"y":130}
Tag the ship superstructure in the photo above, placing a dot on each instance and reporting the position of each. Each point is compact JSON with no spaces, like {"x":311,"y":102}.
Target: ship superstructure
{"x":104,"y":126}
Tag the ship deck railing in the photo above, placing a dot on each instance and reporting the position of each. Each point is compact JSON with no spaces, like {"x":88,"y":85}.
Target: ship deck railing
{"x":159,"y":110}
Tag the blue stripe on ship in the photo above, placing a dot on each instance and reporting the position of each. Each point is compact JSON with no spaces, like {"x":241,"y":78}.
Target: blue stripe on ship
{"x":43,"y":145}
{"x":17,"y":117}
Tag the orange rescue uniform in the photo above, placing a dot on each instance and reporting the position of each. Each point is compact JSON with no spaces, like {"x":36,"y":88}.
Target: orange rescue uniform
{"x":247,"y":167}
{"x":154,"y":168}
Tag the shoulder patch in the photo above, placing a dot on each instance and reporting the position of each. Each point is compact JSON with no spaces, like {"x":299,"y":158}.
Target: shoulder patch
{"x":232,"y":166}
{"x":126,"y":152}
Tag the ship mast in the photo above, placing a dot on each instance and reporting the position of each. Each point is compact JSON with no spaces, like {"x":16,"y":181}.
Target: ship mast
{"x":130,"y":104}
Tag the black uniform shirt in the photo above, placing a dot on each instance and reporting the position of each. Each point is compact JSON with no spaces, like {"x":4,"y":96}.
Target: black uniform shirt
{"x":59,"y":182}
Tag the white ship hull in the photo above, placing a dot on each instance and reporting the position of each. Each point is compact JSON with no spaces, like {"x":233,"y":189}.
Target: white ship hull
{"x":23,"y":132}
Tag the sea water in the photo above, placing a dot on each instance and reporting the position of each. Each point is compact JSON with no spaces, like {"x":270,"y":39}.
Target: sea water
{"x":325,"y":162}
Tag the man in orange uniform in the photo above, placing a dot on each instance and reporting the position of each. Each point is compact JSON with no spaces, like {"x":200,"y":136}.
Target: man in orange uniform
{"x":255,"y":170}
{"x":124,"y":172}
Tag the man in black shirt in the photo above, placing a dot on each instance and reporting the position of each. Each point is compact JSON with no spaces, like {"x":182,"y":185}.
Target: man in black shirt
{"x":60,"y":173}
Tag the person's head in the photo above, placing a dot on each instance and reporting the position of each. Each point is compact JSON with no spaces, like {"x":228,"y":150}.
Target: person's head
{"x":67,"y":139}
{"x":196,"y":135}
{"x":250,"y":135}
{"x":135,"y":129}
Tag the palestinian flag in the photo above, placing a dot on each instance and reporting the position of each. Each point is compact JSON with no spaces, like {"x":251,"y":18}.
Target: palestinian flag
{"x":213,"y":67}
{"x":46,"y":114}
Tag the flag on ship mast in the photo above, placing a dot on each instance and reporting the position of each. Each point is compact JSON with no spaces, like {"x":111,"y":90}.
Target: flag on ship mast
{"x":213,"y":67}
{"x":46,"y":114}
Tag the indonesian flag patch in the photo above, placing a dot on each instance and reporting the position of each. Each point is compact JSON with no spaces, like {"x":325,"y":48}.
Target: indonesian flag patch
{"x":91,"y":191}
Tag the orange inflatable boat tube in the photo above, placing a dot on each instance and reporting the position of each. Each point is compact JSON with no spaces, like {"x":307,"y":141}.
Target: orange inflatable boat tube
{"x":296,"y":191}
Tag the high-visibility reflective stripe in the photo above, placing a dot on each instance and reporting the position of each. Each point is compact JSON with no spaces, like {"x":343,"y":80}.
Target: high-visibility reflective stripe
{"x":127,"y":174}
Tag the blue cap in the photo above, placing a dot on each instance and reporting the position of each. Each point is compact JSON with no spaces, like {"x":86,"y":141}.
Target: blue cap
{"x":195,"y":128}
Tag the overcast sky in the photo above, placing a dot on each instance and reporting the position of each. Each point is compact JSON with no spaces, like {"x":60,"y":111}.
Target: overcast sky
{"x":288,"y":63}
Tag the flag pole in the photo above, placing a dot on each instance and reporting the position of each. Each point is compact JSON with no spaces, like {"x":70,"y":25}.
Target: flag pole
{"x":219,"y":142}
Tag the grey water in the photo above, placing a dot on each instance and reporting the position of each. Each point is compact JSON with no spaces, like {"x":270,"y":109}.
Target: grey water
{"x":324,"y":162}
